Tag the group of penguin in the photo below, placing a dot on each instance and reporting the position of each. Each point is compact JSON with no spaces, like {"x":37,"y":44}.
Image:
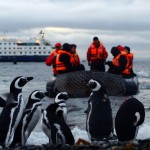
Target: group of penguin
{"x":18,"y":120}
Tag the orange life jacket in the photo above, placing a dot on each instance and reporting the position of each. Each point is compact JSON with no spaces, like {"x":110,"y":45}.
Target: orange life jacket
{"x":97,"y":53}
{"x":130,"y":57}
{"x":115,"y":62}
{"x":60,"y":65}
{"x":75,"y":60}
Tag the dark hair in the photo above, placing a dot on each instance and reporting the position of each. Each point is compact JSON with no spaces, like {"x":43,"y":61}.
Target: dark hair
{"x":115,"y":51}
{"x":95,"y":38}
{"x":66,"y":47}
{"x":128,"y":48}
{"x":73,"y":45}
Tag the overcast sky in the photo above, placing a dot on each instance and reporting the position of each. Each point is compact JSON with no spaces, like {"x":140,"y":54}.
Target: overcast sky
{"x":124,"y":22}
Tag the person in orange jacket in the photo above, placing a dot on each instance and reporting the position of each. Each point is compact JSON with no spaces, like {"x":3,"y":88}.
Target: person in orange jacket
{"x":63,"y":60}
{"x":96,"y":55}
{"x":118,"y":65}
{"x":52,"y":57}
{"x":130,"y":57}
{"x":75,"y":60}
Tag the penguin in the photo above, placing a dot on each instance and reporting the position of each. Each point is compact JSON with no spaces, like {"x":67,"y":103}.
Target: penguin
{"x":12,"y":111}
{"x":129,"y":117}
{"x":99,"y":120}
{"x":31,"y":115}
{"x":55,"y":127}
{"x":60,"y":99}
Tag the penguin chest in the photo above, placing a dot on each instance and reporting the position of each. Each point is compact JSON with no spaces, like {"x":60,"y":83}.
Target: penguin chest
{"x":32,"y":119}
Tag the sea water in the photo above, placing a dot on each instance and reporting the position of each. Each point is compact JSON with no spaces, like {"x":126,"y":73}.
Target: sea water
{"x":76,"y":118}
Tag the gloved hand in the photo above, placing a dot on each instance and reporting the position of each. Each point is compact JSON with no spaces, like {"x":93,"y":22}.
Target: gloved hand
{"x":89,"y":63}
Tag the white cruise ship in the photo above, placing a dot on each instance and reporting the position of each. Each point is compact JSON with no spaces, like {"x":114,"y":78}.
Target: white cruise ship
{"x":33,"y":50}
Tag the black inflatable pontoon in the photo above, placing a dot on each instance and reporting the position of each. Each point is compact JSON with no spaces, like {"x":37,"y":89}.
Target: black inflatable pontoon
{"x":75,"y":84}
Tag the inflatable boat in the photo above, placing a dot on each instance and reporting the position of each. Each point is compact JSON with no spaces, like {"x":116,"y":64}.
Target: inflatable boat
{"x":75,"y":84}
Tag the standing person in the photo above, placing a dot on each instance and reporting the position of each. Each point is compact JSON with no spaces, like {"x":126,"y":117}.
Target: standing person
{"x":52,"y":58}
{"x":119,"y":64}
{"x":63,"y":60}
{"x":75,"y":60}
{"x":96,"y":55}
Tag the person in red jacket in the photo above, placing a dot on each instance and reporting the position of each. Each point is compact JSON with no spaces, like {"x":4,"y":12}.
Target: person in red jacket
{"x":52,"y":57}
{"x":96,"y":55}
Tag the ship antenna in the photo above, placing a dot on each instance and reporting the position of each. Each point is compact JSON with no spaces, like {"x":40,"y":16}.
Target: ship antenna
{"x":42,"y":34}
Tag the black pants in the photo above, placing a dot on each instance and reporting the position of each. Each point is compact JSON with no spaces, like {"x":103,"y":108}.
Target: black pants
{"x":98,"y":66}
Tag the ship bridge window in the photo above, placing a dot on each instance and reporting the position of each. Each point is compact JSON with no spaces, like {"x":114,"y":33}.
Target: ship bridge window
{"x":14,"y":52}
{"x":44,"y":47}
{"x":9,"y":52}
{"x":34,"y":52}
{"x":0,"y":43}
{"x":0,"y":52}
{"x":39,"y":52}
{"x":34,"y":47}
{"x":20,"y":52}
{"x":9,"y":48}
{"x":39,"y":47}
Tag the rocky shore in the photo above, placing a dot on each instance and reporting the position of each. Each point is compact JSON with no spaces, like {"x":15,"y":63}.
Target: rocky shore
{"x":115,"y":145}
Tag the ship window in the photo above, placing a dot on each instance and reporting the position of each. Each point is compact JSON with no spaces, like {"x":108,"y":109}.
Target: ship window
{"x":34,"y":47}
{"x":4,"y":43}
{"x":43,"y":47}
{"x":0,"y":43}
{"x":39,"y":52}
{"x":34,"y":52}
{"x":9,"y":52}
{"x":29,"y":52}
{"x":49,"y":52}
{"x":20,"y":52}
{"x":5,"y":48}
{"x":9,"y":48}
{"x":0,"y":52}
{"x":14,"y":52}
{"x":5,"y":53}
{"x":9,"y":43}
{"x":14,"y":48}
{"x":39,"y":47}
{"x":44,"y":52}
{"x":30,"y":47}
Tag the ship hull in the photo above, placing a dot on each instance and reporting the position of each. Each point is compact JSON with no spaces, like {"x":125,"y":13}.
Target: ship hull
{"x":23,"y":58}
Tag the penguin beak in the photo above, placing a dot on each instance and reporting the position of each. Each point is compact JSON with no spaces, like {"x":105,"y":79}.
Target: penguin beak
{"x":29,"y":78}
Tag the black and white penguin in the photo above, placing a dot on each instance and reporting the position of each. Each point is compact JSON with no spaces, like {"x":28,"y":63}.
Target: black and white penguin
{"x":130,"y":115}
{"x":99,"y":120}
{"x":55,"y":127}
{"x":13,"y":110}
{"x":32,"y":114}
{"x":60,"y":99}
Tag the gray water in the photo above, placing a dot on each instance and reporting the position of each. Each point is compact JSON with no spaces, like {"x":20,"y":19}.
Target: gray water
{"x":76,"y":106}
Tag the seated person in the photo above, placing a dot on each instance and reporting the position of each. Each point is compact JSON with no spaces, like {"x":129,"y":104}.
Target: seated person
{"x":75,"y":60}
{"x":118,"y":65}
{"x":63,"y":60}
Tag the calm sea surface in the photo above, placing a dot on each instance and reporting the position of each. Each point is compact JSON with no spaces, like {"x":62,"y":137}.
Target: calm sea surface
{"x":76,"y":106}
